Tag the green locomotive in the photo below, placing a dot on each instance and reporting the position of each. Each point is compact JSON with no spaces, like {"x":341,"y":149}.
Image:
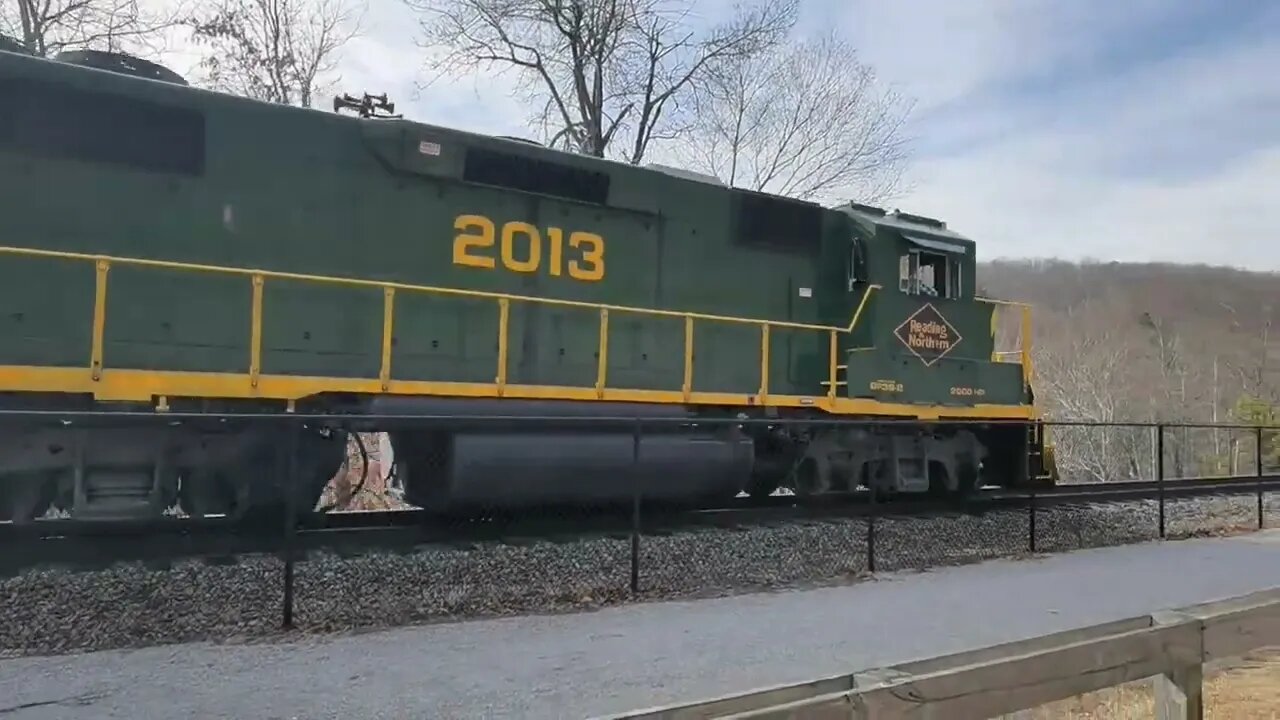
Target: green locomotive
{"x":170,"y":248}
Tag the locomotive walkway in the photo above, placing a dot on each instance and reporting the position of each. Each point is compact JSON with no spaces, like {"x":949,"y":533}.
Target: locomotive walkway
{"x":614,"y":660}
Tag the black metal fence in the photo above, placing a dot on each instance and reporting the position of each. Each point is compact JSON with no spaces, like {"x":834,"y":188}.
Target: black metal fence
{"x":352,"y":569}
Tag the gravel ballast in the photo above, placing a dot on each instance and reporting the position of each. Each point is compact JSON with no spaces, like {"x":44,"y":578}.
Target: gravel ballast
{"x":127,"y":605}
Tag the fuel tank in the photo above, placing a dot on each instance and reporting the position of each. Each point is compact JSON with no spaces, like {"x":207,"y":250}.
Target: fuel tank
{"x":520,"y":470}
{"x":522,"y":455}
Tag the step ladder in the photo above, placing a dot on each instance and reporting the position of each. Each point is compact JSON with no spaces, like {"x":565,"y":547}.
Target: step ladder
{"x":841,"y":378}
{"x":1041,"y":463}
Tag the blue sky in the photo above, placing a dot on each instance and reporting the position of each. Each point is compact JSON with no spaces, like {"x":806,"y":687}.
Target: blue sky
{"x":1136,"y":130}
{"x":1139,"y":130}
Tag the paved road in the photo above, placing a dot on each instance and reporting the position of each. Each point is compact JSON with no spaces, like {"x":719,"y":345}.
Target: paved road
{"x":613,"y":660}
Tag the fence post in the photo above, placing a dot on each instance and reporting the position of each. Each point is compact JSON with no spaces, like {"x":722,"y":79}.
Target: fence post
{"x":871,"y":531}
{"x":1031,"y":521}
{"x":635,"y":508}
{"x":1160,"y":473}
{"x":288,"y":484}
{"x":1031,"y":504}
{"x":1257,"y":459}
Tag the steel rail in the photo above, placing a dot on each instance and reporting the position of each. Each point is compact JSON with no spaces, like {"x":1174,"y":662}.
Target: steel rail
{"x":836,"y":504}
{"x":89,"y":543}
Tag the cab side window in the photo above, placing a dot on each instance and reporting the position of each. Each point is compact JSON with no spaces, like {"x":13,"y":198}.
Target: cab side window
{"x":929,"y":274}
{"x":857,"y":267}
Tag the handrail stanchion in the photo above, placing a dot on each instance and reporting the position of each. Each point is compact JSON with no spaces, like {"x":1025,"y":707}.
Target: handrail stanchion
{"x":687,"y":386}
{"x":255,"y":330}
{"x":388,"y":336}
{"x":504,"y":322}
{"x":602,"y":364}
{"x":764,"y":361}
{"x":99,"y":316}
{"x":832,"y":360}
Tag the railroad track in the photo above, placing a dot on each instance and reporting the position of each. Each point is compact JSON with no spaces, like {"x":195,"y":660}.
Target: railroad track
{"x":88,"y":544}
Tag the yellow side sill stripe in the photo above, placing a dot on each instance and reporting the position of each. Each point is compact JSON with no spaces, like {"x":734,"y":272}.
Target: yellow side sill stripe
{"x":128,"y":385}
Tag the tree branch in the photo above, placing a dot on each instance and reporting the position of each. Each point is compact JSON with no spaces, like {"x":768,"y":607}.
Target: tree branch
{"x":612,"y":72}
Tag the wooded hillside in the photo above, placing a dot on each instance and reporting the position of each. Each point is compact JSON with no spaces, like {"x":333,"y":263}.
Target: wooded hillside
{"x":1149,"y":342}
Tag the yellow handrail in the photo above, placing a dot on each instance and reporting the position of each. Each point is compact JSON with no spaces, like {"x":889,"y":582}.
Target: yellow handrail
{"x":833,"y":350}
{"x":1023,"y":353}
{"x":994,"y":301}
{"x":430,"y":289}
{"x":259,"y":278}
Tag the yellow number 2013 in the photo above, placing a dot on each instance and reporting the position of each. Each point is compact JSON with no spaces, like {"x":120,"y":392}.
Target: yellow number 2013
{"x":521,"y":248}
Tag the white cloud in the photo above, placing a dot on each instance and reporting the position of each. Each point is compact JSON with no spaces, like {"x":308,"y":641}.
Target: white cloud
{"x":936,"y":51}
{"x":1017,"y":203}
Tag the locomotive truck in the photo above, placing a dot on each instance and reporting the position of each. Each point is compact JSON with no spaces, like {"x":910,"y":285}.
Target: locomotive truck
{"x":167,"y":248}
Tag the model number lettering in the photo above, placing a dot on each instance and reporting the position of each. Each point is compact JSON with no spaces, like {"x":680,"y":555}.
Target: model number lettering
{"x":522,"y":248}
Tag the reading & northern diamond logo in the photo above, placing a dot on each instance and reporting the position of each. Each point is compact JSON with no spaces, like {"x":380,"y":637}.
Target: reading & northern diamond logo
{"x":928,"y":335}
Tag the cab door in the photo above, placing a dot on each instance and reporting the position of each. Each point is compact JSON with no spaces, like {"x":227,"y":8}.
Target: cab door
{"x":855,"y":351}
{"x":859,"y":296}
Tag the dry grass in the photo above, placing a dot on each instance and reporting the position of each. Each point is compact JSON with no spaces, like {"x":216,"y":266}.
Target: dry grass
{"x":1249,"y":690}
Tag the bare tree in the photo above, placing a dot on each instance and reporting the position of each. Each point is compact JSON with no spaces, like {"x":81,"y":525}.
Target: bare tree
{"x":1150,"y":343}
{"x":608,"y":76}
{"x":1084,"y":374}
{"x":807,"y":120}
{"x":282,"y":51}
{"x":48,"y":27}
{"x":1255,"y":367}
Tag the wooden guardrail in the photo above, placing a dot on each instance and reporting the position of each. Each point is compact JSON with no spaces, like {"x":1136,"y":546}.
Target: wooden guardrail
{"x":1173,"y":647}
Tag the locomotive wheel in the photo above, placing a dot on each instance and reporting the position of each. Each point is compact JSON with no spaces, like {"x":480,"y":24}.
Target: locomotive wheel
{"x":936,"y":472}
{"x":763,"y":484}
{"x":253,"y":489}
{"x":252,"y":499}
{"x":26,"y":496}
{"x":205,"y":493}
{"x":813,"y":477}
{"x":968,"y":481}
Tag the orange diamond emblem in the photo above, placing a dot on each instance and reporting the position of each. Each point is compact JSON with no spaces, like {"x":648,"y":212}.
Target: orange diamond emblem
{"x":928,"y":335}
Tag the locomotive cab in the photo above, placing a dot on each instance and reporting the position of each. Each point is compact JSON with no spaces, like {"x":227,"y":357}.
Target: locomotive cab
{"x":931,"y":335}
{"x":919,"y":342}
